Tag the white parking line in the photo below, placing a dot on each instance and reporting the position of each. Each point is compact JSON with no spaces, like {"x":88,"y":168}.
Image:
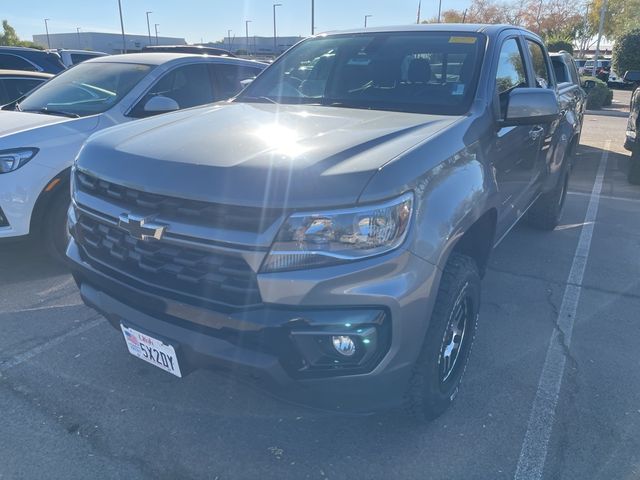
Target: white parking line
{"x":606,"y":197}
{"x":56,"y":287}
{"x":536,"y":439}
{"x":37,"y":309}
{"x":38,"y":349}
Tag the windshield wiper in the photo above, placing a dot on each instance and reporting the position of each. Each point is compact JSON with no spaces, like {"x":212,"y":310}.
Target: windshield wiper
{"x":48,"y":111}
{"x":254,"y":99}
{"x":347,"y":105}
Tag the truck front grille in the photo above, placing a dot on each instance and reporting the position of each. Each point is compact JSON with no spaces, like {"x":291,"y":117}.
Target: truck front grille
{"x":228,"y":217}
{"x":216,"y":277}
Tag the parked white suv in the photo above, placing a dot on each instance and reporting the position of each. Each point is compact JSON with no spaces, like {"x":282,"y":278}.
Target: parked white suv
{"x":39,"y":142}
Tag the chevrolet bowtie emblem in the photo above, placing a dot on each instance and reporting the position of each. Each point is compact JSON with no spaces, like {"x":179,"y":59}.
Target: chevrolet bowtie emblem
{"x":141,"y":227}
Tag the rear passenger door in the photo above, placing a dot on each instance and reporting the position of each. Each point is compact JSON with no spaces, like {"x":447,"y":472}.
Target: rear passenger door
{"x":541,"y":68}
{"x":513,"y":150}
{"x":229,"y":77}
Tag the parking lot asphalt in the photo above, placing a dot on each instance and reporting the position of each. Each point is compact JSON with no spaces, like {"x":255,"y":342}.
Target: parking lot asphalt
{"x":74,"y":404}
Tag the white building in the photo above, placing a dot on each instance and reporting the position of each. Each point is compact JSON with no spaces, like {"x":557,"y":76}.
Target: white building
{"x":103,"y":42}
{"x":258,"y":46}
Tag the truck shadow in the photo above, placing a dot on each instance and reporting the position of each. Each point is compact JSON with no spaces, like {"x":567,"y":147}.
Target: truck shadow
{"x":26,"y":260}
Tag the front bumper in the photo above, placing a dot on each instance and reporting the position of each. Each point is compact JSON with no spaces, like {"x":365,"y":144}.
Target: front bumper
{"x":257,"y":343}
{"x":19,"y":191}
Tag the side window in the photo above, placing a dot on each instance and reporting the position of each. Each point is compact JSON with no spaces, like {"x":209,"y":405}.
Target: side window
{"x":540,"y":65}
{"x":229,"y":78}
{"x":573,"y":71}
{"x":560,"y":69}
{"x":511,"y":72}
{"x":189,"y":86}
{"x":80,"y":57}
{"x":13,"y":62}
{"x":17,"y":87}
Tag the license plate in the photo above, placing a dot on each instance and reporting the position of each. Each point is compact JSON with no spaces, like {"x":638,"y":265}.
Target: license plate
{"x":151,"y":350}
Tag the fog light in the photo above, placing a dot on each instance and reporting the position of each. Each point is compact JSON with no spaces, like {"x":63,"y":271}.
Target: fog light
{"x":344,"y":345}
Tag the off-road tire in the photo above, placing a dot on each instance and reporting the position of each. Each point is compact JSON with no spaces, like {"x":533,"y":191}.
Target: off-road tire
{"x":428,"y":396}
{"x":55,"y":235}
{"x":633,"y":176}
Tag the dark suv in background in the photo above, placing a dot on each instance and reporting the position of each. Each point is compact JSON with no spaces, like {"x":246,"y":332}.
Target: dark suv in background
{"x":631,"y":141}
{"x":30,"y":59}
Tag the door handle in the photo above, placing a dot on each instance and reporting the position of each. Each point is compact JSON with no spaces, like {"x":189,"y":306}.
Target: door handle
{"x":535,"y":132}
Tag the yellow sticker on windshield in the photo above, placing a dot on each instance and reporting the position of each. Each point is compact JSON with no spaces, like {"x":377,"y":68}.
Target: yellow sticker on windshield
{"x":462,"y":39}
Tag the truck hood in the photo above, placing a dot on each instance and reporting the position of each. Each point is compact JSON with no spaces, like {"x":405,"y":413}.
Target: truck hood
{"x":269,"y":155}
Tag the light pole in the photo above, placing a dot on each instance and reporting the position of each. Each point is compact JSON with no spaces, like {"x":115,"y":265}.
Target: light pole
{"x":275,"y":33}
{"x":313,"y":17}
{"x":156,"y":26}
{"x":246,"y":34}
{"x":229,"y":37}
{"x":149,"y":27}
{"x":365,"y":20}
{"x":46,"y":27}
{"x":78,"y":33}
{"x":124,"y":41}
{"x":439,"y":9}
{"x":603,"y":11}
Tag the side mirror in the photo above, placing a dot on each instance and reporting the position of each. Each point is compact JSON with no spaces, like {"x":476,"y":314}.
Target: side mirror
{"x":589,"y":84}
{"x":528,"y":106}
{"x":160,"y":104}
{"x":632,"y":76}
{"x":246,"y":82}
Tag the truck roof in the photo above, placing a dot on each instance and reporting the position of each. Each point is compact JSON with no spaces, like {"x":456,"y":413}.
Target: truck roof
{"x":490,"y":30}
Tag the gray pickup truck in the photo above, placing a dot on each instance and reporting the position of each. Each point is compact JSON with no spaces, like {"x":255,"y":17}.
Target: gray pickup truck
{"x":325,"y":232}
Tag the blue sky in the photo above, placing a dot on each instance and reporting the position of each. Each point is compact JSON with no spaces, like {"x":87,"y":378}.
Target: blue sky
{"x":210,"y":19}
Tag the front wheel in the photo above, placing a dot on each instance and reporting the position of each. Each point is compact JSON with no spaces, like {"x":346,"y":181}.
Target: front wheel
{"x":438,"y":371}
{"x":55,"y":235}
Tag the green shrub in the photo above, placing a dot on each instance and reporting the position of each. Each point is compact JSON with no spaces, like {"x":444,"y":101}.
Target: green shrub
{"x":598,"y":96}
{"x":558,"y":44}
{"x":626,"y":53}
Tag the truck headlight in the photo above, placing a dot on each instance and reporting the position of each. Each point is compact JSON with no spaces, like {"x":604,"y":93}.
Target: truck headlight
{"x":14,"y":158}
{"x":308,"y":240}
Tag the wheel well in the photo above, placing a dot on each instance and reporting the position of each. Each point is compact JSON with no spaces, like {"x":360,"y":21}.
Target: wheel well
{"x":477,"y":242}
{"x":51,"y":190}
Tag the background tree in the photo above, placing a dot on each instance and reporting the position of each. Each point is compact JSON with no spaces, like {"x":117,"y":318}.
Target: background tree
{"x":626,"y":55}
{"x":621,"y":16}
{"x":549,"y":18}
{"x":9,"y":37}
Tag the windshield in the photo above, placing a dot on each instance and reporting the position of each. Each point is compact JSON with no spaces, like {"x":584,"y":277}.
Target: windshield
{"x":412,"y":71}
{"x":86,"y":89}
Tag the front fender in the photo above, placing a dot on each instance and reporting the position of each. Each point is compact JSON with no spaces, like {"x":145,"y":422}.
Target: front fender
{"x":449,"y":198}
{"x":453,"y":183}
{"x":450,"y":201}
